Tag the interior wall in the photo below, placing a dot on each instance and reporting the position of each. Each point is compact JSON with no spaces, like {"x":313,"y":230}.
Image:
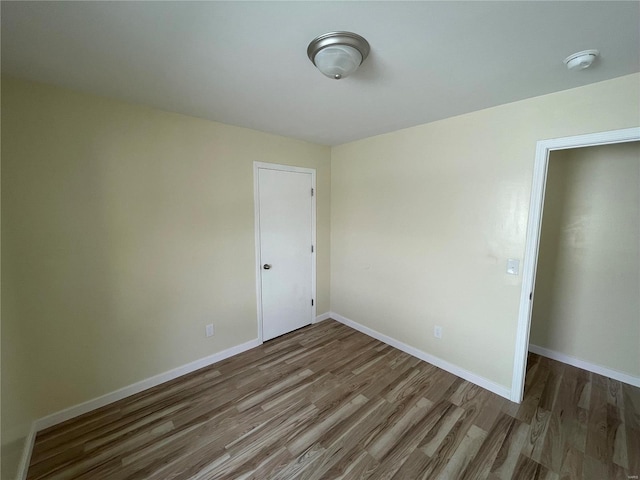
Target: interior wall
{"x":424,"y":219}
{"x":587,"y":294}
{"x":125,"y":231}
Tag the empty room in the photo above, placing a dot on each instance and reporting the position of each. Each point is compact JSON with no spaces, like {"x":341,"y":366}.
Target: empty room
{"x":320,"y":240}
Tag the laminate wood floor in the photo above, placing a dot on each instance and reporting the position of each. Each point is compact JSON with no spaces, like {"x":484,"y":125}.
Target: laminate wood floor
{"x":328,"y":402}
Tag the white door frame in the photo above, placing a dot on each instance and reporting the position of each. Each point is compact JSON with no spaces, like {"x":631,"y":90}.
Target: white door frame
{"x":541,"y":164}
{"x":256,"y":202}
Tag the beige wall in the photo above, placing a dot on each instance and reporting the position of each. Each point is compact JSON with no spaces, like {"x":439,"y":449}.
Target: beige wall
{"x":125,"y":231}
{"x":587,"y":302}
{"x":424,"y":219}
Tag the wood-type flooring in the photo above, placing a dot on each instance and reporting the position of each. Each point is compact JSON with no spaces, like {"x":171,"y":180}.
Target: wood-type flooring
{"x":328,"y":402}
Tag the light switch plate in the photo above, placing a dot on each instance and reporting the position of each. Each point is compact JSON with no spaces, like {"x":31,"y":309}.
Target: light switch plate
{"x":513,"y":266}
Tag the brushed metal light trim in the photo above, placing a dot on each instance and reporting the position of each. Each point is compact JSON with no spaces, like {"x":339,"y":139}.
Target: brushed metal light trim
{"x":338,"y":38}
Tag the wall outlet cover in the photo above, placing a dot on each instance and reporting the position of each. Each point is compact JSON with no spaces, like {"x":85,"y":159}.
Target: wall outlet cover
{"x":437,"y":331}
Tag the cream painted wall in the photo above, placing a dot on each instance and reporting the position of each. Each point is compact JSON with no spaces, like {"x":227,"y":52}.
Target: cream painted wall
{"x":125,"y":231}
{"x":126,"y":228}
{"x":424,"y":219}
{"x":587,"y":302}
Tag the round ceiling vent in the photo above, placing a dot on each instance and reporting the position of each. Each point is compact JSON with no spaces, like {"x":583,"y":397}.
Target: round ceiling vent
{"x":581,"y":60}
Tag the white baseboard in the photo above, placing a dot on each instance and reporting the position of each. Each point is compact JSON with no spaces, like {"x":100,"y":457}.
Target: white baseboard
{"x":433,"y":360}
{"x":85,"y":407}
{"x":324,"y":316}
{"x":583,"y":364}
{"x":23,"y":467}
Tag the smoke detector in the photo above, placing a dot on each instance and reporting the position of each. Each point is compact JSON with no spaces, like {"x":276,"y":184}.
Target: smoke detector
{"x":581,"y":60}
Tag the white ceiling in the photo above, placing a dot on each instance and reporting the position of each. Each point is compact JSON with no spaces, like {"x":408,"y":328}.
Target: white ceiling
{"x":245,"y":63}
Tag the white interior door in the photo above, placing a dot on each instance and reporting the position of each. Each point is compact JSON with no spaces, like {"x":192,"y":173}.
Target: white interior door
{"x":285,"y":221}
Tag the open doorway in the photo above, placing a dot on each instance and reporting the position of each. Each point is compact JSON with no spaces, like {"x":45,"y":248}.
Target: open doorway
{"x":541,"y":166}
{"x":586,"y":311}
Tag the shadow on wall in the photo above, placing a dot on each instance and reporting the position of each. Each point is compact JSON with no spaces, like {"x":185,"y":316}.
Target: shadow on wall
{"x":554,"y":217}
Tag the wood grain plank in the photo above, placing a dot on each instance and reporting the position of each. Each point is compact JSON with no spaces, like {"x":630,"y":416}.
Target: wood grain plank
{"x":467,"y":450}
{"x":597,"y":444}
{"x":537,"y":431}
{"x":451,"y":441}
{"x":509,"y":453}
{"x":415,"y":467}
{"x":480,"y":466}
{"x":571,"y":468}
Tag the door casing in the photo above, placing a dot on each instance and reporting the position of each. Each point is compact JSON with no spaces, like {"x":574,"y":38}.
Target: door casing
{"x":541,"y":165}
{"x":258,"y":264}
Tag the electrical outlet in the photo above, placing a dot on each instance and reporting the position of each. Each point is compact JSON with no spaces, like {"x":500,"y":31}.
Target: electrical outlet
{"x":437,"y":331}
{"x":209,"y":330}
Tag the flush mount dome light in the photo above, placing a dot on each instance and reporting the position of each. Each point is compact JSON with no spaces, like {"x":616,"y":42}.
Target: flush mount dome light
{"x":338,"y":54}
{"x":581,"y":60}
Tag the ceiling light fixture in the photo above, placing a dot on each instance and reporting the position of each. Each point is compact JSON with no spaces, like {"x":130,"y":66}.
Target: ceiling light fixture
{"x":338,"y":54}
{"x":581,"y":60}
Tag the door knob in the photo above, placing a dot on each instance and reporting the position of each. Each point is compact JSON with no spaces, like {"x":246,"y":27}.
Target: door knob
{"x":266,"y":266}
